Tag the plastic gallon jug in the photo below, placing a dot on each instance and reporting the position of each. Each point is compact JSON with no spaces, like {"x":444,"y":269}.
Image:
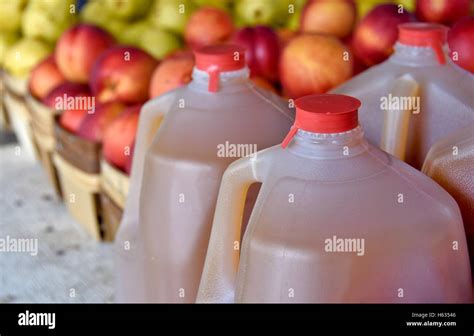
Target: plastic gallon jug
{"x":219,"y":117}
{"x":415,"y":97}
{"x":450,"y":162}
{"x":336,"y":220}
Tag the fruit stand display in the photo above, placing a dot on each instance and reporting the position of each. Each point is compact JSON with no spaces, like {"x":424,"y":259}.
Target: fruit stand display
{"x":75,"y":74}
{"x":28,"y":30}
{"x":42,"y":127}
{"x":77,"y":161}
{"x":114,"y":190}
{"x":19,"y":114}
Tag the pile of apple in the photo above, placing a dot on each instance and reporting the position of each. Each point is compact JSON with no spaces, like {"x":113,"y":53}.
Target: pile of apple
{"x":87,"y":62}
{"x":125,"y":52}
{"x":340,"y":38}
{"x":29,"y":30}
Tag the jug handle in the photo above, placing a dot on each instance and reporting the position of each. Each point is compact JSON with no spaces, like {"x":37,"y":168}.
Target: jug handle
{"x":149,"y":121}
{"x":397,"y":121}
{"x":222,"y":259}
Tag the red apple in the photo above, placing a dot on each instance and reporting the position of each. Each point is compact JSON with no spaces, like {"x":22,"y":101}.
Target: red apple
{"x":314,"y":63}
{"x":56,"y":98}
{"x":461,"y":43}
{"x":93,"y":124}
{"x":208,"y":25}
{"x":171,"y":73}
{"x":129,"y":160}
{"x":335,"y":17}
{"x":119,"y":137}
{"x":358,"y":64}
{"x":442,"y":11}
{"x":74,"y":99}
{"x":78,"y":48}
{"x":122,"y":74}
{"x":72,"y":119}
{"x":44,"y":77}
{"x":262,"y":50}
{"x":377,"y":32}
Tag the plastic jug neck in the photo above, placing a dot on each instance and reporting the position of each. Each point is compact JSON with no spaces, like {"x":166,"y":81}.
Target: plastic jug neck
{"x":421,"y":44}
{"x":324,"y":114}
{"x":417,"y":56}
{"x":229,"y":81}
{"x":329,"y":145}
{"x":217,"y":60}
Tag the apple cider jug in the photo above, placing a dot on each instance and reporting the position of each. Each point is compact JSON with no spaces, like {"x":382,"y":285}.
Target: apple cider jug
{"x":337,"y":220}
{"x":415,"y":97}
{"x":217,"y":118}
{"x":450,"y":162}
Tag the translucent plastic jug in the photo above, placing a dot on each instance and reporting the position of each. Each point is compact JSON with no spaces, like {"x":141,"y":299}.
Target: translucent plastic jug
{"x":336,"y":220}
{"x":450,"y":162}
{"x":415,"y":97}
{"x":219,"y":117}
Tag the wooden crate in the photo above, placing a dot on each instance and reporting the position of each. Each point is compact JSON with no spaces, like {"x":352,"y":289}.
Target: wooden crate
{"x":43,"y":123}
{"x":111,"y":217}
{"x":77,"y":161}
{"x":80,"y":194}
{"x":4,"y":121}
{"x":114,"y":190}
{"x":81,"y":153}
{"x":114,"y":183}
{"x":18,"y":114}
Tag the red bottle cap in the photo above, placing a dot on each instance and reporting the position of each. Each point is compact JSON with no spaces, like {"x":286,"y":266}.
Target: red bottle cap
{"x":215,"y":59}
{"x":324,"y":113}
{"x":420,"y":34}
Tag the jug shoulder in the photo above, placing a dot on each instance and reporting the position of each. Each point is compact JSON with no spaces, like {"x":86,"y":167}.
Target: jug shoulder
{"x":373,"y":174}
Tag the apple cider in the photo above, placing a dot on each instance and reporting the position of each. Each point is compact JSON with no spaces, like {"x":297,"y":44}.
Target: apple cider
{"x":450,"y":162}
{"x":219,"y":117}
{"x":337,"y":220}
{"x":415,"y":97}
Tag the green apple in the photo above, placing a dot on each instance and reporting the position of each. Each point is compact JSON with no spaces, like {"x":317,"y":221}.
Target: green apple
{"x":56,"y":8}
{"x":159,"y":43}
{"x":262,"y":12}
{"x":116,"y":27}
{"x":10,"y":15}
{"x":6,"y":41}
{"x":134,"y":32}
{"x":222,"y":4}
{"x":47,"y":23}
{"x":294,"y":17}
{"x":409,"y":5}
{"x":24,"y":55}
{"x":172,"y":15}
{"x":128,"y":9}
{"x":95,"y":13}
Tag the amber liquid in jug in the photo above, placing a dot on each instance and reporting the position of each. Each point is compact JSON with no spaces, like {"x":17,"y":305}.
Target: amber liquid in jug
{"x":219,"y":117}
{"x":415,"y":97}
{"x":336,"y":220}
{"x":450,"y":162}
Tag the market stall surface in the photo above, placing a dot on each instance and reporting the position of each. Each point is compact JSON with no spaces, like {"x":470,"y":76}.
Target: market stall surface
{"x":69,"y":265}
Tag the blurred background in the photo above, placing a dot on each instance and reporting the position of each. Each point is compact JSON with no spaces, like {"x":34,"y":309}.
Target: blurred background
{"x":64,"y":170}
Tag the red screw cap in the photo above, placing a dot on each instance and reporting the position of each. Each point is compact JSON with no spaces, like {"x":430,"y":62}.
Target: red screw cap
{"x":215,"y":59}
{"x":325,"y":113}
{"x":420,"y":34}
